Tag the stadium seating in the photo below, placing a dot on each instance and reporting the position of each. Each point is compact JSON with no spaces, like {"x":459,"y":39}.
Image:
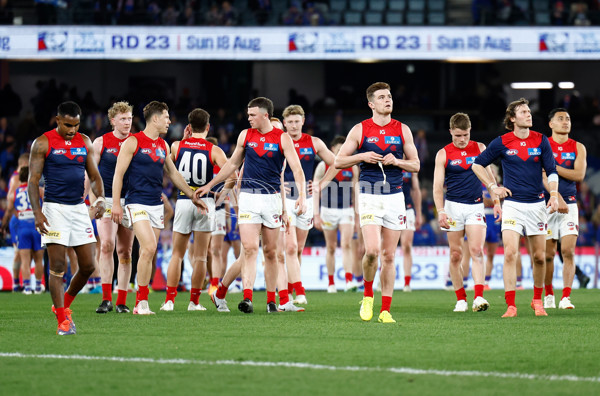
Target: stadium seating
{"x":377,"y":5}
{"x":416,"y":5}
{"x":436,"y":18}
{"x":415,"y":18}
{"x":373,"y":18}
{"x":436,"y":5}
{"x":353,"y":18}
{"x":337,"y":5}
{"x":397,"y":5}
{"x":542,"y":18}
{"x":358,"y":5}
{"x":394,"y":18}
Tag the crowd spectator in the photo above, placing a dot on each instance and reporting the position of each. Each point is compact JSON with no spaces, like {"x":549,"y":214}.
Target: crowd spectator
{"x":560,"y":16}
{"x":579,"y":14}
{"x":293,"y":15}
{"x":262,"y":10}
{"x":229,"y":15}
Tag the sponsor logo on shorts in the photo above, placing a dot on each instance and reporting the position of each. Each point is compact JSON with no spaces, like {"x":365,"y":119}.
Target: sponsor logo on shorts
{"x":327,"y":224}
{"x":244,"y":216}
{"x":89,"y":230}
{"x":509,"y":222}
{"x":549,"y":233}
{"x":367,"y":218}
{"x":512,"y":152}
{"x":452,"y":223}
{"x":540,"y":226}
{"x":140,"y":213}
{"x":53,"y":234}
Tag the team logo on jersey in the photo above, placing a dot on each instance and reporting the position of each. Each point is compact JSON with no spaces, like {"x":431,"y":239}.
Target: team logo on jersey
{"x":392,"y":140}
{"x":382,"y":131}
{"x":78,"y":151}
{"x":89,"y":230}
{"x":534,"y":151}
{"x":347,"y":174}
{"x":262,"y":139}
{"x":463,"y":153}
{"x":160,"y":153}
{"x":146,"y":151}
{"x":456,"y":162}
{"x":471,"y":160}
{"x":555,"y":155}
{"x":567,"y":156}
{"x":59,"y":151}
{"x":112,"y":150}
{"x":372,"y":139}
{"x":512,"y":152}
{"x":306,"y":151}
{"x":271,"y":147}
{"x":541,"y":226}
{"x":253,"y":145}
{"x":523,"y":144}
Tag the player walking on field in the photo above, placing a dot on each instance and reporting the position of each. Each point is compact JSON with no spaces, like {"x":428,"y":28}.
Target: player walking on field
{"x":563,"y":225}
{"x":524,"y":154}
{"x":384,"y":147}
{"x":463,"y":211}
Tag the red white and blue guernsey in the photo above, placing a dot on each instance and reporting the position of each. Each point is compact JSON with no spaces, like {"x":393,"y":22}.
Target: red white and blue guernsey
{"x":263,"y":162}
{"x":462,"y":185}
{"x":22,"y":203}
{"x":146,"y":171}
{"x":306,"y":152}
{"x":522,"y":163}
{"x":111,"y":146}
{"x":382,"y":140}
{"x":193,"y":160}
{"x":338,"y":192}
{"x":64,"y":169}
{"x":565,"y":155}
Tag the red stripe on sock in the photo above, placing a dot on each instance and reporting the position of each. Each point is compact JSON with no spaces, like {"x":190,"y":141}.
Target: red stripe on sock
{"x":566,"y":292}
{"x":248,"y":294}
{"x":537,"y":293}
{"x":368,"y":289}
{"x":386,"y":303}
{"x":107,"y":291}
{"x":509,"y":297}
{"x":68,"y":300}
{"x":121,"y":297}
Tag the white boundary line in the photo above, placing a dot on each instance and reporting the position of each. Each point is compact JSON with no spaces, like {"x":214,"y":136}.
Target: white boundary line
{"x":310,"y":366}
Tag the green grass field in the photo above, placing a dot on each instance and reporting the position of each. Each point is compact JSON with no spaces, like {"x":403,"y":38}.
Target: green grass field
{"x":325,"y":350}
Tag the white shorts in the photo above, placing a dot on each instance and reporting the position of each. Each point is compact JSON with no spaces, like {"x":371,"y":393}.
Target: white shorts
{"x":527,"y":219}
{"x":108,"y":212}
{"x":188,"y":217}
{"x":262,"y":209}
{"x":386,"y":210}
{"x":155,"y":214}
{"x":69,"y":225}
{"x":410,"y":220}
{"x":562,"y":224}
{"x":303,"y":221}
{"x":463,"y":214}
{"x":220,"y":220}
{"x":333,"y":217}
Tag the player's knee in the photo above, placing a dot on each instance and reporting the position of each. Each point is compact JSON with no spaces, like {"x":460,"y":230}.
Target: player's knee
{"x":371,"y":256}
{"x":148,"y":250}
{"x":476,"y":252}
{"x":455,"y":256}
{"x":107,"y":247}
{"x":539,"y":258}
{"x":291,"y":249}
{"x":270,"y":255}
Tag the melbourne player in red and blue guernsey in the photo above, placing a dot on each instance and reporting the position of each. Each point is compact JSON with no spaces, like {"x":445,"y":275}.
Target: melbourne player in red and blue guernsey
{"x":264,"y":149}
{"x":563,"y":225}
{"x":524,"y":154}
{"x":385,"y":148}
{"x":146,"y":157}
{"x":63,"y":156}
{"x":463,"y":211}
{"x":106,"y":151}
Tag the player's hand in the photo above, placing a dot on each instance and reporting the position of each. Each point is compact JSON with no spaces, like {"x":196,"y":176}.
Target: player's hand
{"x":116,"y":212}
{"x":562,"y":206}
{"x":502,"y":192}
{"x":200,"y":204}
{"x":444,"y":220}
{"x":497,"y":213}
{"x":389,"y":159}
{"x":371,"y":157}
{"x":300,"y":207}
{"x":418,"y":221}
{"x":552,"y":204}
{"x":201,"y":191}
{"x":98,"y":210}
{"x":187,"y":132}
{"x":41,"y":222}
{"x":285,"y":220}
{"x":310,"y":188}
{"x":318,"y":222}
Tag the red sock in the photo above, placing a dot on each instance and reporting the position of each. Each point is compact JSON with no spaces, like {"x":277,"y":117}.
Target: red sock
{"x":171,"y":294}
{"x":407,"y":281}
{"x":537,"y":293}
{"x":60,"y":315}
{"x":248,"y":294}
{"x":461,"y":294}
{"x":143,"y":293}
{"x":221,"y":291}
{"x":566,"y":292}
{"x":195,"y":295}
{"x":386,"y":303}
{"x":68,"y":300}
{"x":331,"y":282}
{"x":270,"y":296}
{"x":509,"y":297}
{"x":368,"y":289}
{"x":348,"y":277}
{"x":549,"y":290}
{"x":284,"y":297}
{"x":299,"y":288}
{"x":290,"y":288}
{"x":106,"y":291}
{"x":214,"y":281}
{"x":478,"y":291}
{"x":121,"y":297}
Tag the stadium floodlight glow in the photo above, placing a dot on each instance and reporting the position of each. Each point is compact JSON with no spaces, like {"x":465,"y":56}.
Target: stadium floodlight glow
{"x":566,"y":85}
{"x":531,"y":85}
{"x":367,"y":60}
{"x":469,"y":59}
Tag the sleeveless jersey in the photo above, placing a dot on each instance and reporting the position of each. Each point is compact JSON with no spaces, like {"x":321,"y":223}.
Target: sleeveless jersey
{"x":382,"y":140}
{"x":306,"y":152}
{"x":462,"y":185}
{"x":338,"y":193}
{"x":22,"y":203}
{"x":522,"y":163}
{"x":111,"y":145}
{"x":146,"y":171}
{"x":565,"y":155}
{"x":218,"y":186}
{"x":64,"y":169}
{"x":263,"y":162}
{"x":407,"y":188}
{"x":193,"y":160}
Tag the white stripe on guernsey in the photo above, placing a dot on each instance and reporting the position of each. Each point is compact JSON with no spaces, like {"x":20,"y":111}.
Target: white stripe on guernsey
{"x":250,"y":363}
